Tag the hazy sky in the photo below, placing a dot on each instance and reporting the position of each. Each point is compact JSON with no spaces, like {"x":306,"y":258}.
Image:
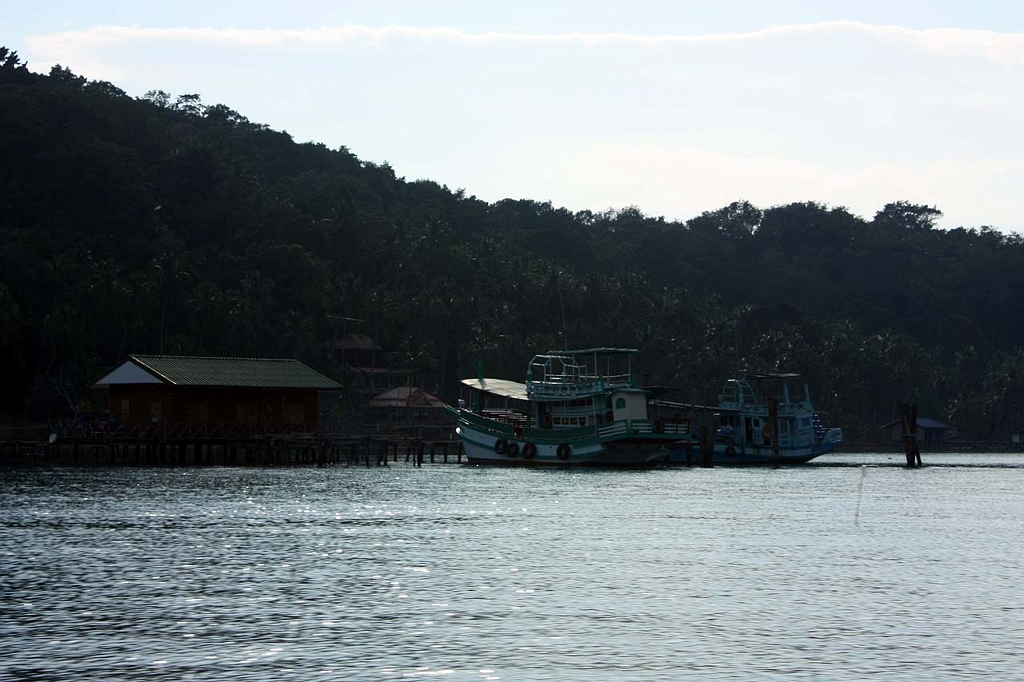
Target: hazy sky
{"x":674,"y":107}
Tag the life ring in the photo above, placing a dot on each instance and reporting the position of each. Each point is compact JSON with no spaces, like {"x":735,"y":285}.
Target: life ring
{"x":513,"y":449}
{"x":563,"y":451}
{"x":730,"y":451}
{"x":501,"y":446}
{"x":529,"y":451}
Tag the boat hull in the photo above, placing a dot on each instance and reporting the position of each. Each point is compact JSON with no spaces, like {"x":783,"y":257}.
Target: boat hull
{"x":626,"y":450}
{"x":728,"y":455}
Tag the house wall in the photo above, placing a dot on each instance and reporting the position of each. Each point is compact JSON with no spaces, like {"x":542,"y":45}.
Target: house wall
{"x":136,"y":403}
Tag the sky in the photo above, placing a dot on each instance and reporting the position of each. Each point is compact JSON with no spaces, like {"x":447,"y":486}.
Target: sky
{"x":674,"y":107}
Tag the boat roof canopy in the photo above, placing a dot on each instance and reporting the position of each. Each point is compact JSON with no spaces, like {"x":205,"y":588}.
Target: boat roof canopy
{"x":595,"y":351}
{"x":499,"y":387}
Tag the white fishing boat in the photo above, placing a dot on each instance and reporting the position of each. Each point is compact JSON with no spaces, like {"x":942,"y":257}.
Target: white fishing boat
{"x":577,"y":408}
{"x":769,"y":419}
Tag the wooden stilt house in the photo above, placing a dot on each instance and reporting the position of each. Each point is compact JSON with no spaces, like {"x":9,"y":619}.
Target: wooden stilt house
{"x":279,"y":395}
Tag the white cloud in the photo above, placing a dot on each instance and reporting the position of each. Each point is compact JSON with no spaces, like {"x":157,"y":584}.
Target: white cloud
{"x":1007,"y":47}
{"x":845,"y":113}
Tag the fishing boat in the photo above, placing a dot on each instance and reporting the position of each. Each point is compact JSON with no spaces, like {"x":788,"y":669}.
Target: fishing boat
{"x":768,"y":419}
{"x":577,"y":408}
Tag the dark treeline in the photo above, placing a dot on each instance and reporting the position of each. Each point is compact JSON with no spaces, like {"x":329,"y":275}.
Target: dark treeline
{"x":163,"y":225}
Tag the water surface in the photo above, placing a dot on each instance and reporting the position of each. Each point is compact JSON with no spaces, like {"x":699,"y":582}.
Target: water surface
{"x":848,"y":568}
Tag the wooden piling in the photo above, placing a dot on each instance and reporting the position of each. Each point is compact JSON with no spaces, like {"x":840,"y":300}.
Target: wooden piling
{"x":908,"y":427}
{"x":707,"y":446}
{"x":773,"y":422}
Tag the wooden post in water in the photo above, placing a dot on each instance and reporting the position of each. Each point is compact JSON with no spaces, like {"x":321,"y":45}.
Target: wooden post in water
{"x":707,"y":446}
{"x":773,"y":428}
{"x":908,"y":427}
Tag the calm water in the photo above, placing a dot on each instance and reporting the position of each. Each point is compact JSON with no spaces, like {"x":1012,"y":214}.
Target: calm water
{"x":471,"y":573}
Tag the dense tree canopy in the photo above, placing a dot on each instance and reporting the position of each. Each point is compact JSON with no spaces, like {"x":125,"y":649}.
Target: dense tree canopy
{"x":162,"y":225}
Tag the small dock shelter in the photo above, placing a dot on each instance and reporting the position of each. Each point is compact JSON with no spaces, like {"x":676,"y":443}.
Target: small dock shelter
{"x":168,"y":388}
{"x":929,"y":431}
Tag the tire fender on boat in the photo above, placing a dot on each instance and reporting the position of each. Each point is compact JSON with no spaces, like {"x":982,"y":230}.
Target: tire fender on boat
{"x":563,"y":451}
{"x":730,"y":451}
{"x":513,"y":449}
{"x":529,"y":451}
{"x":501,"y":446}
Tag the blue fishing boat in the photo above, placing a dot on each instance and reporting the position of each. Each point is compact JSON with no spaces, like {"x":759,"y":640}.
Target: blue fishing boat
{"x":766,"y":419}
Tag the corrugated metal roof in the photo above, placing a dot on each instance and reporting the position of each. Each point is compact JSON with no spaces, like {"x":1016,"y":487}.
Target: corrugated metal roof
{"x":922,"y":422}
{"x":234,"y":372}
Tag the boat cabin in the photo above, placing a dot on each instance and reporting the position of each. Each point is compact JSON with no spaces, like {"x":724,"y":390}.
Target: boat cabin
{"x":761,"y":407}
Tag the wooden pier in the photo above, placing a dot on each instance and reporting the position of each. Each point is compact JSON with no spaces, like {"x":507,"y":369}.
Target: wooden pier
{"x":215,"y":445}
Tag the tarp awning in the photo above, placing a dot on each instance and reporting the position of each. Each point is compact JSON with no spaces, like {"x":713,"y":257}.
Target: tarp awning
{"x":499,"y":387}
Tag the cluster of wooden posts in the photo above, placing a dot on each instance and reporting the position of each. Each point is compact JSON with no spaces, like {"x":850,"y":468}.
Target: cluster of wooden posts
{"x":908,"y":429}
{"x":265,"y":451}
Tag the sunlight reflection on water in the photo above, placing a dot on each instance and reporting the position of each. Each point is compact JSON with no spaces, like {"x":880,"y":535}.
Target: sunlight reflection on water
{"x":474,"y":573}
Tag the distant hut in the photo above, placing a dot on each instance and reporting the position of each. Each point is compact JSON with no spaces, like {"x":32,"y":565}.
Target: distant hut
{"x":410,"y":410}
{"x":368,"y":370}
{"x":357,"y":350}
{"x":179,"y":389}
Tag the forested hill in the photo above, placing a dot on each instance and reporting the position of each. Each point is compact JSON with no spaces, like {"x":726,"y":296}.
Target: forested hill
{"x":163,"y":225}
